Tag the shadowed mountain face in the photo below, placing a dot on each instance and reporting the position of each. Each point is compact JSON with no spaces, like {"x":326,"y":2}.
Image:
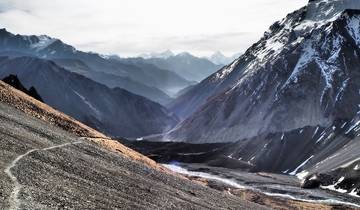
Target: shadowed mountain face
{"x":15,"y":82}
{"x":154,"y":82}
{"x":116,"y":112}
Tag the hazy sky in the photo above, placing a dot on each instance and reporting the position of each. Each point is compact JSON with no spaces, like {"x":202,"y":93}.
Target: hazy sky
{"x":131,"y":27}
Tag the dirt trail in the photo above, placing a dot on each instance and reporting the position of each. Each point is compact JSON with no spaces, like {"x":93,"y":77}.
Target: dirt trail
{"x":14,"y":202}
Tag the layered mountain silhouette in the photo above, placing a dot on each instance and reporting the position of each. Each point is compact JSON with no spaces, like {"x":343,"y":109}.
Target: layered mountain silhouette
{"x":115,"y":112}
{"x":154,"y":82}
{"x":186,"y":65}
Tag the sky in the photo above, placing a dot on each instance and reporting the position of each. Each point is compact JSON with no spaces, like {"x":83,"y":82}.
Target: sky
{"x":132,"y":27}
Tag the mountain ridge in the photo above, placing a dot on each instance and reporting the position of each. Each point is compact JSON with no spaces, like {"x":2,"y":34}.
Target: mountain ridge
{"x":116,"y":112}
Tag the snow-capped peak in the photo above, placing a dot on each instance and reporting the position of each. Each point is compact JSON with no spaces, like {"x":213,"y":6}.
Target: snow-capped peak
{"x":219,"y":58}
{"x":322,"y":10}
{"x":166,"y":54}
{"x":42,"y":42}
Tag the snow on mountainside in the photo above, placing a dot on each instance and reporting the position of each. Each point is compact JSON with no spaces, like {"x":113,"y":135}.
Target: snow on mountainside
{"x":310,"y":74}
{"x":291,"y":101}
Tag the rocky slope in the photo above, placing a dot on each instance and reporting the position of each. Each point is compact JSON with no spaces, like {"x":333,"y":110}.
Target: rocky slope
{"x":116,"y":112}
{"x":297,"y":75}
{"x":291,"y":103}
{"x":46,"y":163}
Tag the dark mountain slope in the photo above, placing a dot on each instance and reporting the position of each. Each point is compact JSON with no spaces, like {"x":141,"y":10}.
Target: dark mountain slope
{"x":15,"y":82}
{"x":114,"y":111}
{"x":113,"y":81}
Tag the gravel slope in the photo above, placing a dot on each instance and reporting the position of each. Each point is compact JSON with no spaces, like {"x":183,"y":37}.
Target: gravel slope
{"x":45,"y":167}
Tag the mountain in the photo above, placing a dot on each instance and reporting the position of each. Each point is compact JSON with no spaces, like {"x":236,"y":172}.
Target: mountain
{"x":186,"y":65}
{"x":167,"y":81}
{"x":114,"y":81}
{"x":290,"y":103}
{"x":220,"y":59}
{"x":166,"y":54}
{"x":286,"y":81}
{"x":116,"y":112}
{"x":54,"y":49}
{"x":15,"y":82}
{"x":51,"y":161}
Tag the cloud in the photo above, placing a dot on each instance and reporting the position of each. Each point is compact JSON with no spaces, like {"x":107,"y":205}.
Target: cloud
{"x":130,"y":27}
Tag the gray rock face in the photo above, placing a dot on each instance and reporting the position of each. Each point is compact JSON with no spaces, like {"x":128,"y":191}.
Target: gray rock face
{"x":297,"y":75}
{"x":116,"y":112}
{"x":291,"y":102}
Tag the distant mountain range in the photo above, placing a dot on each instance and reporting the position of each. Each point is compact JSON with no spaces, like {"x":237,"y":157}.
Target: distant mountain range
{"x":166,"y":54}
{"x":116,"y":112}
{"x":190,"y":67}
{"x":89,"y":86}
{"x":141,"y":78}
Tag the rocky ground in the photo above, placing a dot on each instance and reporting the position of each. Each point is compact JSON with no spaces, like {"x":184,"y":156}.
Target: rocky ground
{"x":47,"y":166}
{"x":201,"y":163}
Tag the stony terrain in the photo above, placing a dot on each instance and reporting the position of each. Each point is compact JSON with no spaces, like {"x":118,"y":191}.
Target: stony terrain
{"x":44,"y":166}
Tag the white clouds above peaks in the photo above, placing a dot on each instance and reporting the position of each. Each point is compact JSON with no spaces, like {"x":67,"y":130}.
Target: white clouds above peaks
{"x":131,"y":27}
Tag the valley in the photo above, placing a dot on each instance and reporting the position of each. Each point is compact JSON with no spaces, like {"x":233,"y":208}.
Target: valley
{"x":276,"y":126}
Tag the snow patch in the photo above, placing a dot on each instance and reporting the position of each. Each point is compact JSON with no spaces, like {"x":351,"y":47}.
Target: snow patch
{"x":332,"y":187}
{"x":353,"y":27}
{"x":184,"y":171}
{"x":96,"y":111}
{"x":226,"y":70}
{"x":44,"y":42}
{"x":293,"y":173}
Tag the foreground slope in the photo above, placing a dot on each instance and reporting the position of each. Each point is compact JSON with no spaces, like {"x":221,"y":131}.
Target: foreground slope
{"x":46,"y":163}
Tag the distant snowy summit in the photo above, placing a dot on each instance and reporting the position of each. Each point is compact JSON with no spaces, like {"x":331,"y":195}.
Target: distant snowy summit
{"x":164,"y":55}
{"x":220,"y":59}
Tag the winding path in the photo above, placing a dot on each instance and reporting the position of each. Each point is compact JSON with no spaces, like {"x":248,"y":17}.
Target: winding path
{"x":14,"y":202}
